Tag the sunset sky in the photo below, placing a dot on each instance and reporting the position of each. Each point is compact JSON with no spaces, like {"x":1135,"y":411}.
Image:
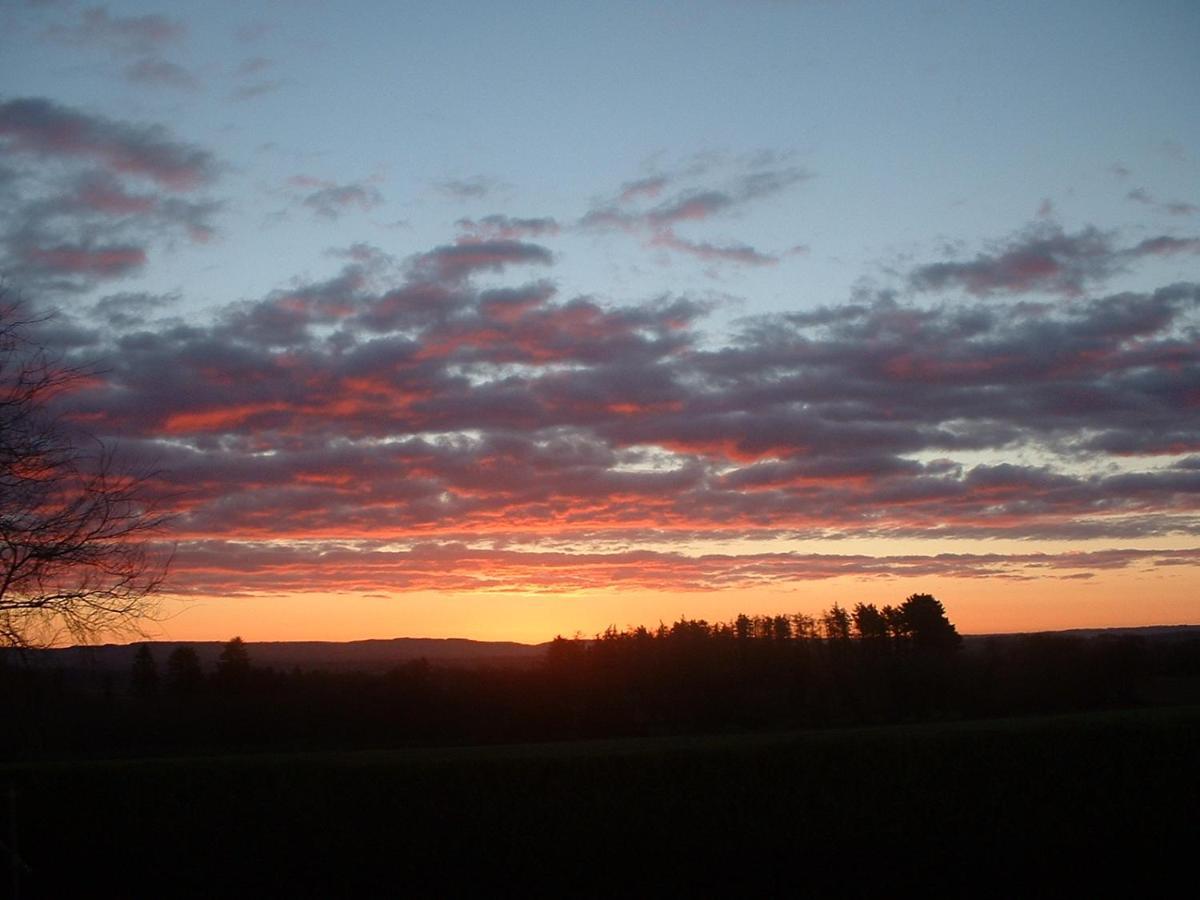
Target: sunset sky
{"x":502,"y":320}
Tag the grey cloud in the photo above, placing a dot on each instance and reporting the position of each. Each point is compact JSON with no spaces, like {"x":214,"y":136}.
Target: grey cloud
{"x":160,"y":73}
{"x":500,"y":227}
{"x":42,"y":127}
{"x":119,"y":34}
{"x":93,"y":196}
{"x":405,"y":399}
{"x":1046,"y":259}
{"x":332,"y":201}
{"x":473,"y":188}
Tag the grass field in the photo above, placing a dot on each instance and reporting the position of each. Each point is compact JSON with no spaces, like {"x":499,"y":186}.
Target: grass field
{"x":848,"y":809}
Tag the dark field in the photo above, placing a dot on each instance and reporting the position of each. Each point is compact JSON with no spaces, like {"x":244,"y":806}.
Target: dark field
{"x":973,"y":806}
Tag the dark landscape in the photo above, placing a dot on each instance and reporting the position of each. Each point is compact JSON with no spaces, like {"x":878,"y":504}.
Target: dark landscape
{"x":755,"y":754}
{"x":349,"y":352}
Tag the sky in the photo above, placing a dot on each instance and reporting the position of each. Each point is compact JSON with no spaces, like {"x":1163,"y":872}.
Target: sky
{"x":504,"y":321}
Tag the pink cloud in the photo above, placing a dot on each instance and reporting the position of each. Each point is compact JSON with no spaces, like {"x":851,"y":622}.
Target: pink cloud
{"x":38,"y":126}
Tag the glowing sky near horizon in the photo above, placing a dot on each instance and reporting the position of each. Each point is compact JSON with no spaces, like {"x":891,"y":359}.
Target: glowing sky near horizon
{"x":508,"y":320}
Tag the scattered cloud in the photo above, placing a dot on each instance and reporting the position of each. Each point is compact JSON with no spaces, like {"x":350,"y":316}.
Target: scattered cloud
{"x":649,"y":187}
{"x":477,"y":187}
{"x":36,"y":126}
{"x":125,"y":35}
{"x":411,"y":400}
{"x":252,"y":89}
{"x":1170,"y":207}
{"x":253,"y":65}
{"x":130,"y":309}
{"x":224,"y":567}
{"x":93,"y":195}
{"x":1045,"y":259}
{"x":500,"y":227}
{"x":142,"y":40}
{"x":159,"y":72}
{"x":330,"y":200}
{"x":689,"y":204}
{"x":454,"y":262}
{"x":251,"y":78}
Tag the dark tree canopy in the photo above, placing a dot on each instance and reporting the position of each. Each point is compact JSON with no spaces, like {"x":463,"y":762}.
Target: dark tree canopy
{"x":143,"y":676}
{"x":233,"y":665}
{"x":75,"y":525}
{"x":926,"y":624}
{"x":184,"y":673}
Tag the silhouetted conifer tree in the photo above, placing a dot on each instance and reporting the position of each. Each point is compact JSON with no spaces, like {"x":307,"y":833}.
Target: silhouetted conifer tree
{"x":184,"y":675}
{"x":143,"y":676}
{"x":926,"y":625}
{"x":233,"y":665}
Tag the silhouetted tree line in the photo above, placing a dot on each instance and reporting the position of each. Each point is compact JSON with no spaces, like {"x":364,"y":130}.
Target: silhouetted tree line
{"x":862,"y":665}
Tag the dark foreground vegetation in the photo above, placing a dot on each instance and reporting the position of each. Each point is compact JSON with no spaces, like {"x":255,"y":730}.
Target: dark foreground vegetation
{"x":866,"y":666}
{"x":1013,"y":808}
{"x":857,"y":750}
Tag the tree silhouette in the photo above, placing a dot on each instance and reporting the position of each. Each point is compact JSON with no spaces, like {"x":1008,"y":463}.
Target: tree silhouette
{"x":143,"y":675}
{"x":233,"y":665}
{"x":74,"y":525}
{"x":835,"y":622}
{"x":926,"y":624}
{"x":184,"y":675}
{"x":869,"y":623}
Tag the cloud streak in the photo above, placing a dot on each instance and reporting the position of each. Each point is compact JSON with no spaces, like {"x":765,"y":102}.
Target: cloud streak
{"x":36,"y":126}
{"x":658,"y":224}
{"x":226,"y":568}
{"x":123,"y":35}
{"x":408,"y":399}
{"x":1048,"y":260}
{"x":92,"y":196}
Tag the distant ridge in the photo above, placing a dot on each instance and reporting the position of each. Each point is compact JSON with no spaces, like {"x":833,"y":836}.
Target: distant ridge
{"x":380,"y":654}
{"x":368,"y":655}
{"x":1148,"y":631}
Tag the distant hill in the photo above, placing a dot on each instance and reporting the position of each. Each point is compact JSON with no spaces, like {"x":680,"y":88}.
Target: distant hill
{"x":379,"y":655}
{"x":1149,"y":632}
{"x":371,"y":655}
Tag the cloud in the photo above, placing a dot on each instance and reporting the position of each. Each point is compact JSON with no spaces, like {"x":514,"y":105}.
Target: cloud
{"x":1179,"y":208}
{"x":253,"y":65}
{"x":474,"y":188}
{"x":737,"y":253}
{"x":1041,"y":259}
{"x":159,"y":72}
{"x":98,"y":260}
{"x":500,"y":227}
{"x":224,"y":567}
{"x":250,"y":90}
{"x":42,"y":127}
{"x":1165,"y":246}
{"x":649,"y":187}
{"x":658,"y":224}
{"x":93,"y":196}
{"x":1044,"y":259}
{"x":119,"y":34}
{"x":1172,"y":207}
{"x":130,"y":309}
{"x":407,"y":400}
{"x":453,"y":262}
{"x":251,"y":80}
{"x":331,"y":200}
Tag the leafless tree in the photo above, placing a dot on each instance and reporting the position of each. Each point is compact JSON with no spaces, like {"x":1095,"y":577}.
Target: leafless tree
{"x":77,"y":528}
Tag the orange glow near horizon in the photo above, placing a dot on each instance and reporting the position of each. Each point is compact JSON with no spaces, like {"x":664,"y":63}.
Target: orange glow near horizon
{"x":975,"y":605}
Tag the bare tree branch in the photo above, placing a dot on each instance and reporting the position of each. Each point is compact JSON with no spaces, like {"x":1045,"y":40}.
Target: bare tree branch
{"x":77,"y":527}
